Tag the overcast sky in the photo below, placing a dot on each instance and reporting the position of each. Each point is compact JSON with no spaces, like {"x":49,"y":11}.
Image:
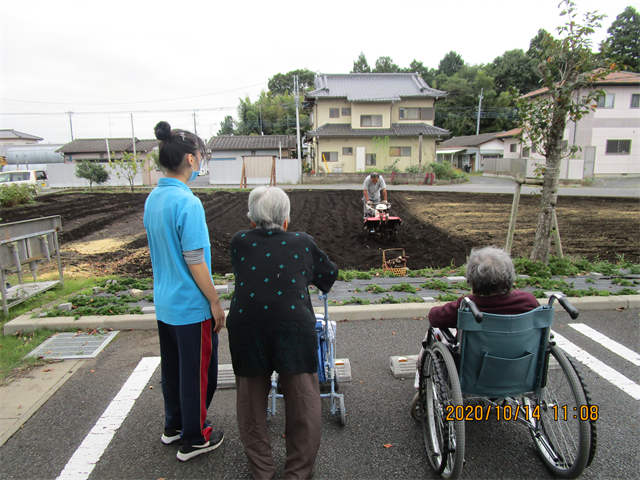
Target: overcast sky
{"x":161,"y":60}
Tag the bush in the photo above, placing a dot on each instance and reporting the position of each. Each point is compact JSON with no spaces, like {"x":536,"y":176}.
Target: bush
{"x":445,"y":171}
{"x":93,"y":172}
{"x":411,"y":169}
{"x":16,"y":194}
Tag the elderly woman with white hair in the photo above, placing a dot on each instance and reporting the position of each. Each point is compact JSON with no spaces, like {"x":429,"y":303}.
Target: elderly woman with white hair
{"x":271,"y":327}
{"x":491,"y":274}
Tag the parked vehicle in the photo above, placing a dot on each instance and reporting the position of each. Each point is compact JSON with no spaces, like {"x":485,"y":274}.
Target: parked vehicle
{"x":29,"y":177}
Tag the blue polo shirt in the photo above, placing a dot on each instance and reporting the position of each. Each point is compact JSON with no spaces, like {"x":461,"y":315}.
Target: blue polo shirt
{"x":175,"y":222}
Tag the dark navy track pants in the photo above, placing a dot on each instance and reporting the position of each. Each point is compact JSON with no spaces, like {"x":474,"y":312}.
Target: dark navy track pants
{"x":189,"y":364}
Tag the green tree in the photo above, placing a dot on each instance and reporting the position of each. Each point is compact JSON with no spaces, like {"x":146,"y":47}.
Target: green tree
{"x":537,"y":46}
{"x":450,"y":64}
{"x":227,"y":126}
{"x":282,"y":83}
{"x":514,"y":69}
{"x":623,"y":43}
{"x":94,"y":172}
{"x":385,"y":65}
{"x":271,"y":115}
{"x":543,"y":118}
{"x":360,"y":65}
{"x":127,"y":167}
{"x":427,"y":74}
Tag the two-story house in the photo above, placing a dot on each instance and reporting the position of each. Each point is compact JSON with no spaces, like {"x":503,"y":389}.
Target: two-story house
{"x":370,"y":120}
{"x":608,"y":136}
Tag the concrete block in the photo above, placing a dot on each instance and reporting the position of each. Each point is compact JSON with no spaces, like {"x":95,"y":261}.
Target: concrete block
{"x":56,"y":323}
{"x":226,"y":378}
{"x":634,"y":300}
{"x":429,"y":299}
{"x":456,"y":279}
{"x":65,"y":306}
{"x":148,"y":310}
{"x":131,"y":322}
{"x":548,"y":294}
{"x":135,"y":293}
{"x":222,"y":288}
{"x":228,"y":274}
{"x":600,"y":303}
{"x":403,"y":367}
{"x":21,"y":324}
{"x":96,"y":290}
{"x":595,"y":275}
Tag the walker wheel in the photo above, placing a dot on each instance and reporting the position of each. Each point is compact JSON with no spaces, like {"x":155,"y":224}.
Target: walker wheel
{"x":343,"y":413}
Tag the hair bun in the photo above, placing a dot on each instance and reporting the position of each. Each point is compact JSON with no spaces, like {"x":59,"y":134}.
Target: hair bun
{"x":163,"y":131}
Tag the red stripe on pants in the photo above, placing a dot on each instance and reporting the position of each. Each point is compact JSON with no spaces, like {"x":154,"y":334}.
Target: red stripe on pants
{"x":205,"y":359}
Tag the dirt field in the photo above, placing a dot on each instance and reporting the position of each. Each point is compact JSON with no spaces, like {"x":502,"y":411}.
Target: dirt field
{"x":103,"y":232}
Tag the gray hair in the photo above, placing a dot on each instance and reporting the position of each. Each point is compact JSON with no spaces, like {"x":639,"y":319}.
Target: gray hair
{"x":490,"y":271}
{"x":269,"y":207}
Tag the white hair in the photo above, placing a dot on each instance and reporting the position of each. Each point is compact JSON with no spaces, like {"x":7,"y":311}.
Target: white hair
{"x":490,"y":271}
{"x":269,"y":207}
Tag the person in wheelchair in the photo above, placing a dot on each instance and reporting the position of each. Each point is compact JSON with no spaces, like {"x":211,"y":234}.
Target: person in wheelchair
{"x":491,"y":274}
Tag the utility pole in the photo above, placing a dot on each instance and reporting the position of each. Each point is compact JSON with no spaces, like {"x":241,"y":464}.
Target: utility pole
{"x":295,"y":84}
{"x":133,"y":138}
{"x":71,"y":124}
{"x":479,"y":111}
{"x":195,"y":129}
{"x":260,"y":119}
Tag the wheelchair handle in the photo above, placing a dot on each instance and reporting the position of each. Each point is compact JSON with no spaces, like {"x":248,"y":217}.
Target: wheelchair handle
{"x":564,"y":301}
{"x":468,"y":303}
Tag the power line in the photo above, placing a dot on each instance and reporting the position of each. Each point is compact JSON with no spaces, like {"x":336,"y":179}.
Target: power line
{"x":111,"y":112}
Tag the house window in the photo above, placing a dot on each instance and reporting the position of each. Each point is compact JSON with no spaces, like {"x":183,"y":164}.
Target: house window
{"x":513,"y":148}
{"x":409,"y":113}
{"x":334,"y":113}
{"x":346,"y":112}
{"x":253,"y":152}
{"x":370,"y":120}
{"x":607,"y":101}
{"x":635,"y":100}
{"x":371,"y":159}
{"x":400,"y":151}
{"x":330,"y":156}
{"x":618,"y":147}
{"x":526,"y":152}
{"x":347,"y":150}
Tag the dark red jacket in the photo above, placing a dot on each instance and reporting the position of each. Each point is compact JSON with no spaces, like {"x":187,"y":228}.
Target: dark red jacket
{"x":512,"y":303}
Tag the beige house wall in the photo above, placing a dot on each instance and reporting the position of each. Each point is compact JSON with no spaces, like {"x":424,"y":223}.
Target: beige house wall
{"x":358,"y":109}
{"x":321,"y":116}
{"x":348,"y":162}
{"x":412,"y":103}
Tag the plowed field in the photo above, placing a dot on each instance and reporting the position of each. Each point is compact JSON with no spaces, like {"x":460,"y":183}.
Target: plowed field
{"x":103,"y":232}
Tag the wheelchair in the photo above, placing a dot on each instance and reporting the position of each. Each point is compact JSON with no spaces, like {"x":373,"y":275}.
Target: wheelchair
{"x":510,"y":367}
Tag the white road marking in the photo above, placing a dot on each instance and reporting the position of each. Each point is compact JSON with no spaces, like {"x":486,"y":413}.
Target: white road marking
{"x":88,"y":454}
{"x":606,"y":342}
{"x":616,"y":378}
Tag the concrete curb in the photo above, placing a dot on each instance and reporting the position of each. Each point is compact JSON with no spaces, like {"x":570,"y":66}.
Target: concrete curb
{"x":27,"y":324}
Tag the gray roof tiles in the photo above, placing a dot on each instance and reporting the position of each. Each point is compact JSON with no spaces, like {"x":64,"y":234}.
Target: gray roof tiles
{"x":396,"y":130}
{"x":371,"y":87}
{"x":9,"y":133}
{"x":95,"y":145}
{"x":469,"y":140}
{"x":250,"y":142}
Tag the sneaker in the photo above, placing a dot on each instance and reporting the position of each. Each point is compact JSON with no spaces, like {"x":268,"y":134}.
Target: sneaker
{"x":188,"y":451}
{"x":170,"y":436}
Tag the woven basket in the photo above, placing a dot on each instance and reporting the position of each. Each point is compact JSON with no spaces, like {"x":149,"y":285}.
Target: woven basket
{"x":402,"y":271}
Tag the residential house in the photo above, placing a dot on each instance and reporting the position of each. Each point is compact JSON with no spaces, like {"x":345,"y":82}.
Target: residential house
{"x":609,"y":136}
{"x":371,"y":120}
{"x":469,"y":153}
{"x":228,"y":153}
{"x":105,"y":149}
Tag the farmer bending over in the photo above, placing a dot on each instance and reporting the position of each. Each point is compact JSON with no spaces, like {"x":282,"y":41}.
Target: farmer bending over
{"x":371,"y":188}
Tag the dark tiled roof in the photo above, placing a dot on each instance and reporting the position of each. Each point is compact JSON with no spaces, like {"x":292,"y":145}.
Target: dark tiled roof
{"x":250,"y":142}
{"x":396,"y":130}
{"x":469,"y":140}
{"x":372,"y":87}
{"x":95,"y":145}
{"x":10,"y":133}
{"x":615,"y":78}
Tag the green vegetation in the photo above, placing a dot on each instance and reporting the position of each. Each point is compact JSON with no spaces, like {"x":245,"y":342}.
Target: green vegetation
{"x":403,"y":287}
{"x":94,"y":172}
{"x":16,"y":194}
{"x":373,"y":288}
{"x":445,"y":171}
{"x":436,"y":285}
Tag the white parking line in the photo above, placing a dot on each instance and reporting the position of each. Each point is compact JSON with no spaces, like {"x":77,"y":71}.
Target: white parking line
{"x":606,"y":342}
{"x":84,"y":460}
{"x":605,"y":371}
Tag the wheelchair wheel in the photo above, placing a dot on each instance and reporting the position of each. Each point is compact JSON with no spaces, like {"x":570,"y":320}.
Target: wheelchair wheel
{"x":439,"y":395}
{"x":561,"y":436}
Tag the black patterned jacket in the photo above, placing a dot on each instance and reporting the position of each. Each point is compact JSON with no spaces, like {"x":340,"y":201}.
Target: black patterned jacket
{"x":271,"y":322}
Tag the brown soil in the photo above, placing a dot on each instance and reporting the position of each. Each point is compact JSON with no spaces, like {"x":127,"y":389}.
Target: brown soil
{"x":104,"y":233}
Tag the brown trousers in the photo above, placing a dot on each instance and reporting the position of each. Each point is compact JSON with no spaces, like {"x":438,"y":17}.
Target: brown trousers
{"x":302,"y":431}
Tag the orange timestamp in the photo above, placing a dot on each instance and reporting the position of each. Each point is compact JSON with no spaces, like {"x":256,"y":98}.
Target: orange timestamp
{"x":509,"y":413}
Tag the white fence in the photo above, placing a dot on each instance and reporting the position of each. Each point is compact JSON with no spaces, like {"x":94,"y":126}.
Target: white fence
{"x":64,"y":175}
{"x":570,"y":168}
{"x":228,"y":172}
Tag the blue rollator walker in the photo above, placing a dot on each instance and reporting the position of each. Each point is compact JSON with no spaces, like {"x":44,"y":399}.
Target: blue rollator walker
{"x":508,"y":367}
{"x":326,"y":333}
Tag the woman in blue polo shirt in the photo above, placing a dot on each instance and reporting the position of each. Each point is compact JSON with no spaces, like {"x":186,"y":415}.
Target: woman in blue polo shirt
{"x":187,"y":306}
